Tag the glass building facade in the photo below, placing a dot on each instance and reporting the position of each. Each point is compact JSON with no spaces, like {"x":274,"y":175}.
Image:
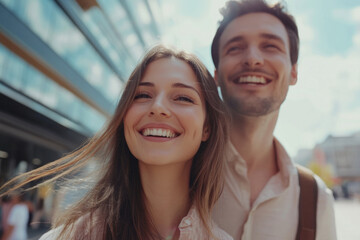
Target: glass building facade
{"x":63,"y":65}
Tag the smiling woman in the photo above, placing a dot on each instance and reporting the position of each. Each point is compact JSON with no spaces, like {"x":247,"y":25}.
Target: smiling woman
{"x":168,"y":102}
{"x":160,"y":158}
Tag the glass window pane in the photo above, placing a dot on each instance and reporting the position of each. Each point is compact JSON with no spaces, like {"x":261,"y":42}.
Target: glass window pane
{"x":48,"y":21}
{"x":21,"y":76}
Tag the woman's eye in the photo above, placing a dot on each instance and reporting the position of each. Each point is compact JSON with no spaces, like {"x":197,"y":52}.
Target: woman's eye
{"x":142,"y":95}
{"x":184,"y":99}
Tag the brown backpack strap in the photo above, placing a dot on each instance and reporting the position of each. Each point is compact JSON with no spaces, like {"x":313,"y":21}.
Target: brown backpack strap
{"x":307,"y":205}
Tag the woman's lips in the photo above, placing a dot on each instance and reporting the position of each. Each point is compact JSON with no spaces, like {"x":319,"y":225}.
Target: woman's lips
{"x":159,"y":132}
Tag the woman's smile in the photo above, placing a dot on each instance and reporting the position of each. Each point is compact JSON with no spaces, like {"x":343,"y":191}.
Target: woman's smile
{"x":167,"y":114}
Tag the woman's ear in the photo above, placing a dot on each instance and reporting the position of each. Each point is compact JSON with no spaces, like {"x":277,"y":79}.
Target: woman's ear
{"x":205,"y":133}
{"x":216,"y":78}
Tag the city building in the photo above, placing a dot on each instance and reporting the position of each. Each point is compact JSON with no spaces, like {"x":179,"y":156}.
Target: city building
{"x":343,"y":153}
{"x":337,"y":161}
{"x":63,"y":64}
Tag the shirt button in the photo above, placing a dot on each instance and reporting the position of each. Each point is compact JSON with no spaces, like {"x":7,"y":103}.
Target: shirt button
{"x":238,"y":168}
{"x":187,"y":222}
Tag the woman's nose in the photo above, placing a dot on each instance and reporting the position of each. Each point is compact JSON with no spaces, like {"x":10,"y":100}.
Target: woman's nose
{"x":160,"y":107}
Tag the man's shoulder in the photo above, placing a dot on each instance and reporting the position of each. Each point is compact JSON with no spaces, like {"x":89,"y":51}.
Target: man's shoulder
{"x":320,"y":183}
{"x":324,"y":194}
{"x":325,"y":220}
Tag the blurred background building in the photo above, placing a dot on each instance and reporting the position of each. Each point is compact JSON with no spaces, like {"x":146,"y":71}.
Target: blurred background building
{"x":337,"y":161}
{"x":62,"y":67}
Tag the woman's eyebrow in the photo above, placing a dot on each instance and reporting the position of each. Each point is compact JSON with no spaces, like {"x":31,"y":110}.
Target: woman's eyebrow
{"x":148,"y":84}
{"x":182,"y":85}
{"x":176,"y":85}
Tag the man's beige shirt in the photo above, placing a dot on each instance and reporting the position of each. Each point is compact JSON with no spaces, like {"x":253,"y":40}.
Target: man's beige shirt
{"x":274,"y":214}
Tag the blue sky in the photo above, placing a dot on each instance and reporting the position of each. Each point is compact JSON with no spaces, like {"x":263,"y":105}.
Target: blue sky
{"x":329,"y":19}
{"x":326,"y":99}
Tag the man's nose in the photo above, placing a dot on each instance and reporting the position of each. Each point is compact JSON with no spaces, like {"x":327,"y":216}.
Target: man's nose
{"x":160,"y":107}
{"x":253,"y":57}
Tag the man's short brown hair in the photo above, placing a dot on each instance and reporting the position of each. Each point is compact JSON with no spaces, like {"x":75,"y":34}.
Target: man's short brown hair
{"x":234,"y":9}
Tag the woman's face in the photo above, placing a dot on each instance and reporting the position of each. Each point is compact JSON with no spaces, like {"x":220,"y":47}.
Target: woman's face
{"x":165,"y":123}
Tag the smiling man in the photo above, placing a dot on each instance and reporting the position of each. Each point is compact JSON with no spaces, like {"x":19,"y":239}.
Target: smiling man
{"x":255,"y":52}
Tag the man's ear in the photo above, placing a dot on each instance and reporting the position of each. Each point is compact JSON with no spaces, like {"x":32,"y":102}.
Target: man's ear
{"x":205,"y":133}
{"x":216,"y":78}
{"x":294,"y":74}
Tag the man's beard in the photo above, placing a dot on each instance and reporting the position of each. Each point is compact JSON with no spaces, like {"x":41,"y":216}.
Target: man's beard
{"x":254,"y":106}
{"x":257,"y":107}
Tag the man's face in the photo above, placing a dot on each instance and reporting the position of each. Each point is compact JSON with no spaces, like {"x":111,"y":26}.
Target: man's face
{"x":255,"y":70}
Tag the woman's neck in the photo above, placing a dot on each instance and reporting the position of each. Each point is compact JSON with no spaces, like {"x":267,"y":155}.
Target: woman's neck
{"x":166,"y":190}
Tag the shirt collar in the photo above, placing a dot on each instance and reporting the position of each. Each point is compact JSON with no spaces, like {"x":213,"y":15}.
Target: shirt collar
{"x":190,"y":219}
{"x":286,"y":167}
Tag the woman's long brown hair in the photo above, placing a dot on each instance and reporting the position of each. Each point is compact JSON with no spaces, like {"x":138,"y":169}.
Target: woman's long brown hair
{"x":114,"y":208}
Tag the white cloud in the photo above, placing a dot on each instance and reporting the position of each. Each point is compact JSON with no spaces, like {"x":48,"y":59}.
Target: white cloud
{"x":348,"y":122}
{"x":355,"y":14}
{"x":342,"y":14}
{"x":193,"y":32}
{"x":324,"y":101}
{"x":347,"y":15}
{"x":306,"y":32}
{"x":356,"y":40}
{"x":188,"y":32}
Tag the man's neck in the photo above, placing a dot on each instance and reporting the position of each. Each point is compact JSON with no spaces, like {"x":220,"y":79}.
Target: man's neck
{"x":253,"y":139}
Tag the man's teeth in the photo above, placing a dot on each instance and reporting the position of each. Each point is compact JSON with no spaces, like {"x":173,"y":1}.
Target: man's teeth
{"x":251,"y":79}
{"x":158,"y":132}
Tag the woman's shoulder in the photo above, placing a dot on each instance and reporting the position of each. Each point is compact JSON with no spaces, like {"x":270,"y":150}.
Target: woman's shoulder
{"x":191,"y":227}
{"x":86,"y":226}
{"x":53,"y":234}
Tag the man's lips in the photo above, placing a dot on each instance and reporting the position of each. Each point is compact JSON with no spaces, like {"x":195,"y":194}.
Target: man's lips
{"x":251,"y":80}
{"x":253,"y":77}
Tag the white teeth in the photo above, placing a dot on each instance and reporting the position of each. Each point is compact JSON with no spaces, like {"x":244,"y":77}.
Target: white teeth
{"x":252,"y":79}
{"x":158,"y":132}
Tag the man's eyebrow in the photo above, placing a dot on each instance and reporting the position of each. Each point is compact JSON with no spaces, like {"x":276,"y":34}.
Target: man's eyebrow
{"x":182,"y":85}
{"x":272,"y":37}
{"x":234,"y":39}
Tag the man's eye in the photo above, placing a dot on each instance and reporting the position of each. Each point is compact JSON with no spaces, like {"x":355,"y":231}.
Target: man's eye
{"x":233,"y":49}
{"x":184,"y":99}
{"x":142,"y":95}
{"x":271,"y":46}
